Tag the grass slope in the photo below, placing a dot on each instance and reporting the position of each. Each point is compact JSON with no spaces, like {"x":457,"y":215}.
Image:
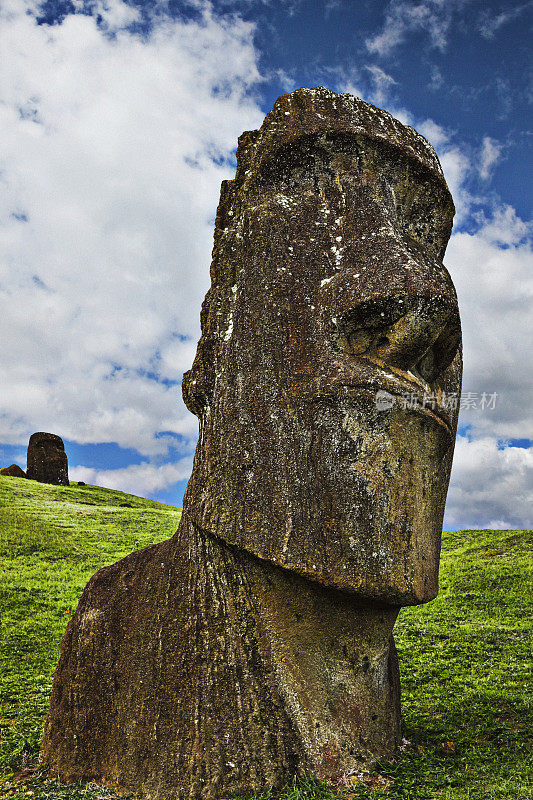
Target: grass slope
{"x":52,"y":539}
{"x":465,"y":657}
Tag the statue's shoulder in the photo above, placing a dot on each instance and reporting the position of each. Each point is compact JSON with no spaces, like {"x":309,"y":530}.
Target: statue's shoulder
{"x":132,"y":586}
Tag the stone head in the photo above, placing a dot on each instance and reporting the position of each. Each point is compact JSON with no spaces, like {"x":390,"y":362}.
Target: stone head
{"x":47,"y":460}
{"x":328,"y":372}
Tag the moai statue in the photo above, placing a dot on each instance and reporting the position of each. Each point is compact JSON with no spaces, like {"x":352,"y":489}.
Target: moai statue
{"x":14,"y":471}
{"x":256,"y":644}
{"x":47,"y":460}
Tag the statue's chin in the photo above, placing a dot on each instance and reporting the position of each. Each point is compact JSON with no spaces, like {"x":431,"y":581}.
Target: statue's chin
{"x":377,"y":527}
{"x":380,"y":578}
{"x":387,"y":580}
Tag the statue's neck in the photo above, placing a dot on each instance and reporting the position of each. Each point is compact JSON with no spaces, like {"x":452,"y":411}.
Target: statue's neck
{"x":327,"y":660}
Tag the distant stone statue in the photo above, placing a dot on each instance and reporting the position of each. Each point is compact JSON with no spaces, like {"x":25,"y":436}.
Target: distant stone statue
{"x":14,"y":471}
{"x":256,"y":644}
{"x":47,"y":460}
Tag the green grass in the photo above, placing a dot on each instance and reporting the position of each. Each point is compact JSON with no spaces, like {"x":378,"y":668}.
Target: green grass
{"x":52,"y":539}
{"x":465,"y":658}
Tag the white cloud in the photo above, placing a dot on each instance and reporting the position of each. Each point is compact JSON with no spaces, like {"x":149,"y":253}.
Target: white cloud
{"x":381,"y":84}
{"x":286,"y":80}
{"x":351,"y":87}
{"x":139,"y":479}
{"x":331,"y":6}
{"x":114,"y":13}
{"x":490,"y":24}
{"x":436,"y":80}
{"x":489,"y":155}
{"x":403,"y":18}
{"x":113,"y":150}
{"x":372,"y":84}
{"x":505,"y":228}
{"x":490,"y":487}
{"x":492,"y":269}
{"x":457,"y":168}
{"x":434,"y":133}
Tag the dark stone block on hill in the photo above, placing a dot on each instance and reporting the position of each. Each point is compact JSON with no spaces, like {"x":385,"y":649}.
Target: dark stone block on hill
{"x":47,"y":460}
{"x":14,"y":471}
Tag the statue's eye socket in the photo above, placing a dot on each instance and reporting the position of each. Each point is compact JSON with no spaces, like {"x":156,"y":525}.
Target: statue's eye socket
{"x":421,"y":336}
{"x":365,"y":328}
{"x":364,"y":340}
{"x":361,"y":340}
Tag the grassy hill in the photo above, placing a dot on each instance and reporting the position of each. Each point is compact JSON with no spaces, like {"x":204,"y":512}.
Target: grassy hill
{"x":465,"y":658}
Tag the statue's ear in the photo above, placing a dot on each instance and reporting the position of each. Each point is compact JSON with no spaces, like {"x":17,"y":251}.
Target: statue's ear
{"x":198,"y":382}
{"x":192,"y":397}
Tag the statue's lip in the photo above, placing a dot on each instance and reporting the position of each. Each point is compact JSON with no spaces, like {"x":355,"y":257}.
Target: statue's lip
{"x":370,"y":388}
{"x":399,"y":385}
{"x":403,"y":385}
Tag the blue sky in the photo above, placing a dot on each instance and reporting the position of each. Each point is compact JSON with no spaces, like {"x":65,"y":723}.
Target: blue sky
{"x":118,"y":122}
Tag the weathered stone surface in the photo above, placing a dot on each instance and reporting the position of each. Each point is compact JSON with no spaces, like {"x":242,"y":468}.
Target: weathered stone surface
{"x":14,"y":471}
{"x":256,"y":645}
{"x":47,"y":460}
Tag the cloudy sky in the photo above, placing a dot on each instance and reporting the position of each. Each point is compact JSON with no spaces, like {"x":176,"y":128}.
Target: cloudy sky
{"x":118,"y":121}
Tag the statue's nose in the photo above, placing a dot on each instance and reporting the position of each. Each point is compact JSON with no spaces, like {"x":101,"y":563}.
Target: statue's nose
{"x":419,"y":333}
